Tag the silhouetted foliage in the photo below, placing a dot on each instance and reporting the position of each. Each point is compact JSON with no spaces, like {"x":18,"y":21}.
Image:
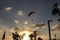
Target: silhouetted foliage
{"x":55,"y":10}
{"x":3,"y":36}
{"x":15,"y":36}
{"x":39,"y":38}
{"x":58,"y":19}
{"x":31,"y":36}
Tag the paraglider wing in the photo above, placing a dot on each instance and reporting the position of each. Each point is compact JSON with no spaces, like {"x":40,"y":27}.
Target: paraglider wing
{"x":30,"y":13}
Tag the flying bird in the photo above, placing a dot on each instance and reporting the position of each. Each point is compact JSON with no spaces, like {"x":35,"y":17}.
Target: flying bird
{"x":31,"y":13}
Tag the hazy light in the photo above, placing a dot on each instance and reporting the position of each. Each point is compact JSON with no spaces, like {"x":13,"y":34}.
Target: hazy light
{"x":20,"y":13}
{"x":26,"y":22}
{"x":26,"y":37}
{"x":8,"y":8}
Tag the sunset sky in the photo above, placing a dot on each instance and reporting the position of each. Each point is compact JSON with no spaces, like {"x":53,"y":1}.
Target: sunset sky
{"x":14,"y":13}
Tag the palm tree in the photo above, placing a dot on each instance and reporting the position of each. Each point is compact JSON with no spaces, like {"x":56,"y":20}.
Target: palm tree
{"x":56,"y":11}
{"x":31,"y":36}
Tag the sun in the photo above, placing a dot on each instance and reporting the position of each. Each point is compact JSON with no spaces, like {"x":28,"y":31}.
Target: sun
{"x":26,"y":35}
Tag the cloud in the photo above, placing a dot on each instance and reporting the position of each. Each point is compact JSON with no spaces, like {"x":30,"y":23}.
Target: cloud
{"x":8,"y":9}
{"x":38,"y":25}
{"x":56,"y":27}
{"x":14,"y":29}
{"x":26,"y":22}
{"x":20,"y":13}
{"x":16,"y":21}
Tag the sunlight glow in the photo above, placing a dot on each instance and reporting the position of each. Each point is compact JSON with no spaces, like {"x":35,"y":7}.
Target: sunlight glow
{"x":26,"y":36}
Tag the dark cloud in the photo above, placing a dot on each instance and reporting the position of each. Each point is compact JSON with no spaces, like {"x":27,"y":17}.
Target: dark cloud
{"x":39,"y":25}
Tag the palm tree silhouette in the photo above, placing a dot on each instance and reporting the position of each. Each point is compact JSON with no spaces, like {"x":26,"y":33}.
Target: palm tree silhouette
{"x":56,"y":11}
{"x":31,"y":36}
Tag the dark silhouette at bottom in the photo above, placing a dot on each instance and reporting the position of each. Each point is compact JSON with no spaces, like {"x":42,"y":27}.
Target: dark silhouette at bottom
{"x":31,"y":36}
{"x":40,"y":38}
{"x":3,"y":36}
{"x":15,"y":36}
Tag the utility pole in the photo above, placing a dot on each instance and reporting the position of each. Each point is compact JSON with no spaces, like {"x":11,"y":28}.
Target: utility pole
{"x":49,"y":29}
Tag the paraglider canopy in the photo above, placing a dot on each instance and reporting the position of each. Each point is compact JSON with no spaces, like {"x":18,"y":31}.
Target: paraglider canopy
{"x":31,"y":13}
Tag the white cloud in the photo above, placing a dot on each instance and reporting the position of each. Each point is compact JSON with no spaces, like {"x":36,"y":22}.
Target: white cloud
{"x":26,"y":22}
{"x":8,"y":9}
{"x":20,"y":13}
{"x":16,"y":21}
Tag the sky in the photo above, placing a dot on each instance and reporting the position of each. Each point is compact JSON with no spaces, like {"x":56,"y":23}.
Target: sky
{"x":14,"y":13}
